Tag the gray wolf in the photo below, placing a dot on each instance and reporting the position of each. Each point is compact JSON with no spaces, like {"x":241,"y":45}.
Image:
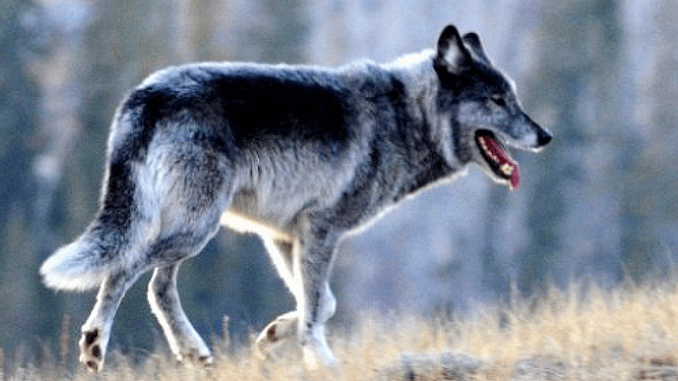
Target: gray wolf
{"x":300,"y":155}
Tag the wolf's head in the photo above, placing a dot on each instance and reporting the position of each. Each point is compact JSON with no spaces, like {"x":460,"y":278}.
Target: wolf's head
{"x":485,"y":116}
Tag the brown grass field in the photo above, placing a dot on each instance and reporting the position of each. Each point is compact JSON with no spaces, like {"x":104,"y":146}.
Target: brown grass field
{"x":624,"y":334}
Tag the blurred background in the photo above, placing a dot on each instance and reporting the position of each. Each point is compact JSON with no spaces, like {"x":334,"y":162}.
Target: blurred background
{"x":598,"y":205}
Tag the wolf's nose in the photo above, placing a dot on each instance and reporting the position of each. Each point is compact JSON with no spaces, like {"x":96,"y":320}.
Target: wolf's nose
{"x":543,"y":137}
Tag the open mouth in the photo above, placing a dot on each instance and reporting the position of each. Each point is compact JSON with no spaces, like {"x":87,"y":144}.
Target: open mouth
{"x":497,"y":157}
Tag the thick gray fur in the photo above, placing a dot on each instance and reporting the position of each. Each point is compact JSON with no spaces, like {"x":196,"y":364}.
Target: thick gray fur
{"x":300,"y":155}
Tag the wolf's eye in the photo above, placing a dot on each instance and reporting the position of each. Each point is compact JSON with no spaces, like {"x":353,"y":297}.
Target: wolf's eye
{"x":498,"y":100}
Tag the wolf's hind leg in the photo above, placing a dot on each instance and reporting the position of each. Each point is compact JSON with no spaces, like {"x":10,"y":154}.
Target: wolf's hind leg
{"x":97,"y":329}
{"x":163,"y":298}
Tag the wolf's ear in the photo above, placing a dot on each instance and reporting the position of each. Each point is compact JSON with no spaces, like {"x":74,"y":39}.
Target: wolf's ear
{"x":452,"y":54}
{"x":472,"y":40}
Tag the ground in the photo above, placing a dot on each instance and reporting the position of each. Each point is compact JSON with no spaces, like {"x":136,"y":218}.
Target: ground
{"x":629,"y":333}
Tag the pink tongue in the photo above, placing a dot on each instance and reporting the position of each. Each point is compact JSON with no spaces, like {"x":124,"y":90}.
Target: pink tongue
{"x":503,"y":161}
{"x":515,"y":178}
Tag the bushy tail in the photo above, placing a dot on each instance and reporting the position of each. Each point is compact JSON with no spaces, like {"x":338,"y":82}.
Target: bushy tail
{"x":100,"y":250}
{"x":84,"y":263}
{"x":104,"y":248}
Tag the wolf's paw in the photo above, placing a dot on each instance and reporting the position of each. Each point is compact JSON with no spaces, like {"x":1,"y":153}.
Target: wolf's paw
{"x":276,"y":333}
{"x":315,"y":349}
{"x":192,"y":359}
{"x":322,"y":358}
{"x":92,"y":349}
{"x":189,"y":349}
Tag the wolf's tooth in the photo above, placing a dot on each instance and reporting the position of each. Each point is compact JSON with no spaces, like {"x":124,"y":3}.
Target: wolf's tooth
{"x":507,"y":169}
{"x":483,"y":144}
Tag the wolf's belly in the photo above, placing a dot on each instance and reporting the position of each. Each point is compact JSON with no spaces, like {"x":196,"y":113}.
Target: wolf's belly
{"x":246,"y":224}
{"x":270,"y":215}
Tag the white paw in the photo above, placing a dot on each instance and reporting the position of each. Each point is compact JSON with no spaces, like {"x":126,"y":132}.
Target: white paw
{"x":193,"y":358}
{"x":190,"y":349}
{"x":276,"y":333}
{"x":316,"y":351}
{"x":92,"y":349}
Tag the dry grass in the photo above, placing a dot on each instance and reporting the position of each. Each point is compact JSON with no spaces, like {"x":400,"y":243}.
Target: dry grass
{"x":629,"y":334}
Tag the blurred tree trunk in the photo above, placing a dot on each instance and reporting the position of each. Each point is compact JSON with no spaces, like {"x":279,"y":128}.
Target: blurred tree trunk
{"x":19,"y":141}
{"x":573,"y":210}
{"x":650,"y":178}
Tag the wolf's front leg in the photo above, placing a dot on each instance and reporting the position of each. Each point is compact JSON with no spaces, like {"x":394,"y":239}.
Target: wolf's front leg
{"x":182,"y":338}
{"x":319,"y":307}
{"x":315,"y":302}
{"x":286,"y":327}
{"x":97,"y":329}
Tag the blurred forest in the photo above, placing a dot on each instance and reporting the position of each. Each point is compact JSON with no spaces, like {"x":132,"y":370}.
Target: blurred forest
{"x":598,"y":205}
